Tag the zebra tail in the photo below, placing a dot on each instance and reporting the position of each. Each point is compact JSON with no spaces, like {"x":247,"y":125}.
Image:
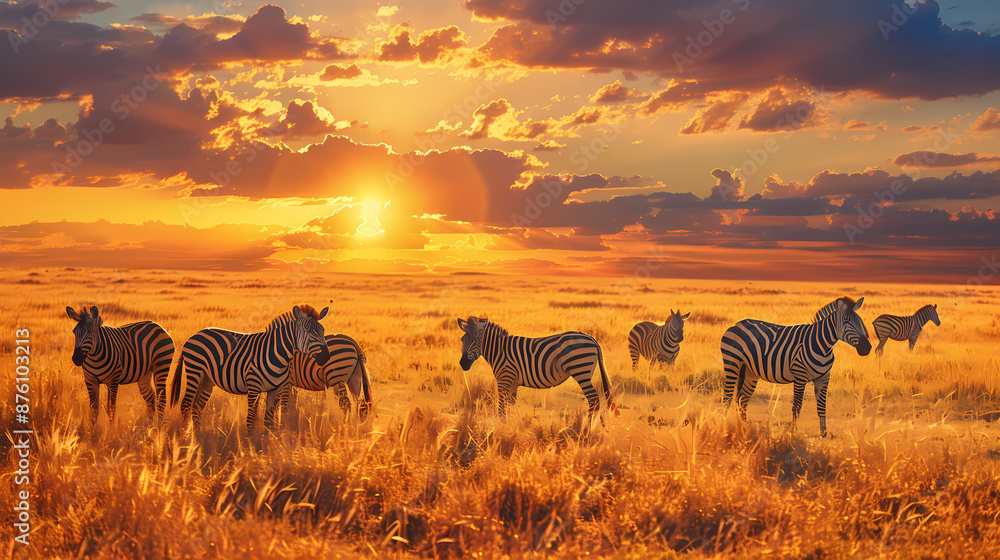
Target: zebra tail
{"x":607,"y":383}
{"x":366,"y":389}
{"x":175,"y":386}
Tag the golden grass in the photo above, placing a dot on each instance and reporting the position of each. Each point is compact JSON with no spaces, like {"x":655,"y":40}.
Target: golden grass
{"x":911,"y":469}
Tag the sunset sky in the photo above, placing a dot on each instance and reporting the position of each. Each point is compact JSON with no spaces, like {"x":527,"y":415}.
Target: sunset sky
{"x":736,"y":139}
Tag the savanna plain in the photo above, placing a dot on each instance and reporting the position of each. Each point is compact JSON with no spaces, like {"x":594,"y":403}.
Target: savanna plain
{"x":910,"y":469}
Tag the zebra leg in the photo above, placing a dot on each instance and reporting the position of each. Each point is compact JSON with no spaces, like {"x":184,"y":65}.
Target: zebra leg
{"x":733,"y":381}
{"x":820,"y":385}
{"x":913,"y":339}
{"x":200,"y":399}
{"x":881,"y":343}
{"x":593,"y":401}
{"x":112,"y":401}
{"x":148,"y":394}
{"x":94,"y":394}
{"x":277,"y":398}
{"x":340,"y":390}
{"x":800,"y":388}
{"x":633,"y":352}
{"x":252,"y":397}
{"x":160,"y":389}
{"x":747,"y":388}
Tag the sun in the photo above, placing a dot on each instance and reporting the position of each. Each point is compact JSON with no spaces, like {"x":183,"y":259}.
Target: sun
{"x":370,"y":211}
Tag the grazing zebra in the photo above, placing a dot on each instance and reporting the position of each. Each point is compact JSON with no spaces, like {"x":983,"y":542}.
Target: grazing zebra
{"x":903,"y":328}
{"x":657,"y":342}
{"x":754,"y":350}
{"x":137,"y":352}
{"x":247,"y":364}
{"x":344,"y":370}
{"x":538,"y":363}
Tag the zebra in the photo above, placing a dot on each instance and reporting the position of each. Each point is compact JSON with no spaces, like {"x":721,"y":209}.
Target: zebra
{"x":247,"y":364}
{"x":344,"y":370}
{"x":797,"y":354}
{"x":133,"y":353}
{"x":538,"y":363}
{"x":903,"y":328}
{"x":657,"y":342}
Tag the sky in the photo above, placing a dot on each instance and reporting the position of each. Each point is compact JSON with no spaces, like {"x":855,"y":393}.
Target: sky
{"x":856,"y":140}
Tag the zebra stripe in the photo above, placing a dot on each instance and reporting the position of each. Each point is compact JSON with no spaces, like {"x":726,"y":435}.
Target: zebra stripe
{"x":538,"y":363}
{"x":247,"y":364}
{"x":133,"y":353}
{"x":657,"y":342}
{"x":903,"y":328}
{"x":344,"y":371}
{"x":754,"y":350}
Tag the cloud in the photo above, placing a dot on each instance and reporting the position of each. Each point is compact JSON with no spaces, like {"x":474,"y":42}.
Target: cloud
{"x":617,"y":93}
{"x":717,"y":115}
{"x":780,"y":110}
{"x":865,"y":125}
{"x":842,"y":46}
{"x":13,"y":14}
{"x":431,"y":46}
{"x":486,"y":116}
{"x":305,"y":118}
{"x":988,"y":121}
{"x":931,"y":160}
{"x":338,"y":72}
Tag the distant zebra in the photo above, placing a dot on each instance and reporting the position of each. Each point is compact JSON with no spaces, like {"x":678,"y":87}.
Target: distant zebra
{"x":344,"y":370}
{"x":657,"y":342}
{"x":138,"y":352}
{"x":538,"y":363}
{"x":754,"y":350}
{"x":247,"y":364}
{"x":903,"y":328}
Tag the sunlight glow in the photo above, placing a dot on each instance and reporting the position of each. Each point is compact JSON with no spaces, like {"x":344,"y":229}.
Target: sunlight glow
{"x":370,"y":210}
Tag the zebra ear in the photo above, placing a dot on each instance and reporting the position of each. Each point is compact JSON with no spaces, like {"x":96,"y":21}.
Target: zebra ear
{"x":858,"y":304}
{"x":462,"y":324}
{"x":93,"y":311}
{"x":935,"y":306}
{"x":324,"y":312}
{"x":298,"y":312}
{"x":686,"y":315}
{"x":72,"y":313}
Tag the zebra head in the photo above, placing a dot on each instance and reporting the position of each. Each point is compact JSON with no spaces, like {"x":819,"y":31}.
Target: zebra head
{"x":675,"y":325}
{"x":472,"y":340}
{"x":309,"y":333}
{"x":86,"y":333}
{"x":849,"y":326}
{"x":932,"y":314}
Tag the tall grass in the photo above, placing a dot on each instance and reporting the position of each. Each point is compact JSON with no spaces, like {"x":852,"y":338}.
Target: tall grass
{"x":911,"y":469}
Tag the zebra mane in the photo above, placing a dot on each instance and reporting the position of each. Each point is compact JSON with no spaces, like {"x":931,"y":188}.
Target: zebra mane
{"x":84,"y":313}
{"x":309,"y":310}
{"x":497,"y":328}
{"x":924,"y":307}
{"x":831,"y":307}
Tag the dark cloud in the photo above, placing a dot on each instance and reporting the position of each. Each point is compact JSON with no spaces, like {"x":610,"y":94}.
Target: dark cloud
{"x":780,"y":111}
{"x":854,"y":45}
{"x":338,"y":72}
{"x":13,"y":14}
{"x":932,"y":160}
{"x":73,"y":59}
{"x":717,"y":115}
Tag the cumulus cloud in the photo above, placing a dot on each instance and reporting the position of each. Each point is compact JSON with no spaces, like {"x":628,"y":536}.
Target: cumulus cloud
{"x":988,"y":121}
{"x":617,"y":92}
{"x":430,"y":46}
{"x":339,"y":72}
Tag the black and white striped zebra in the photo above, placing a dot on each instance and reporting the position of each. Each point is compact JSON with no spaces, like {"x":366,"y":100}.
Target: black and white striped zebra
{"x":657,"y":343}
{"x":797,"y":354}
{"x":247,"y":364}
{"x":134,"y":353}
{"x":537,"y":363}
{"x":903,"y":328}
{"x":345,"y":370}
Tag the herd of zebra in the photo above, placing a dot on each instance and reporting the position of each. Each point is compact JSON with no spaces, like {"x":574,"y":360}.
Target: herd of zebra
{"x":294,"y":352}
